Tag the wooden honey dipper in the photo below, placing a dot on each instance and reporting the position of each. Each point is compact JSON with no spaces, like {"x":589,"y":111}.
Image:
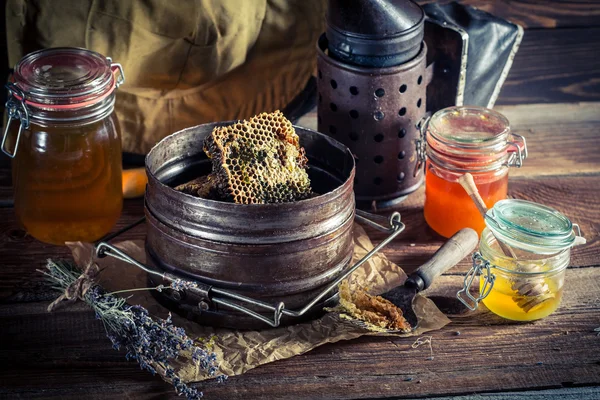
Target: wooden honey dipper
{"x":532,"y":292}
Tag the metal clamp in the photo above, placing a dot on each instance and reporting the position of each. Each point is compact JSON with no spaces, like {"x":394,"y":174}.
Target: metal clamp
{"x":120,"y":79}
{"x":420,"y":143}
{"x":222,"y":297}
{"x":517,"y":156}
{"x":576,"y":226}
{"x":579,"y":239}
{"x":16,"y":110}
{"x":479,"y":265}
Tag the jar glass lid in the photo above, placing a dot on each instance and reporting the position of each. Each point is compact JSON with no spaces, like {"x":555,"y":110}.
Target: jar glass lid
{"x":64,"y":75}
{"x":530,"y":226}
{"x":470,"y":126}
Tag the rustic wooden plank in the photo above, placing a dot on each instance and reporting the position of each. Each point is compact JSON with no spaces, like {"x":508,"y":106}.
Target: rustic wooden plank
{"x":6,"y":193}
{"x":64,"y":354}
{"x":21,"y":254}
{"x":373,"y":368}
{"x":539,"y":13}
{"x":561,"y":138}
{"x":576,"y":393}
{"x":555,"y":65}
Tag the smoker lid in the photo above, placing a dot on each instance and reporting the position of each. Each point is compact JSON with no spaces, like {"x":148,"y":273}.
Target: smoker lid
{"x":374,"y":19}
{"x":375,"y":33}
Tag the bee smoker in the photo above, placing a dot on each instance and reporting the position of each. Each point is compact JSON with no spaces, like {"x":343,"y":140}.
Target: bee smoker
{"x":372,"y":79}
{"x":383,"y":65}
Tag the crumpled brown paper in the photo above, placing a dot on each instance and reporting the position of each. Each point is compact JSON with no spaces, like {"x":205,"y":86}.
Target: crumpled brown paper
{"x":240,"y":351}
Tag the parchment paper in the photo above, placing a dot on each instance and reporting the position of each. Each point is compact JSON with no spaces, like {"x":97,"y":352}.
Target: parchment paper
{"x":240,"y":351}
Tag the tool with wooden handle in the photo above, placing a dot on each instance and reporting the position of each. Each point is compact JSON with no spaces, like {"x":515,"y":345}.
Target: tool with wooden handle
{"x":531,"y":292}
{"x":451,"y":253}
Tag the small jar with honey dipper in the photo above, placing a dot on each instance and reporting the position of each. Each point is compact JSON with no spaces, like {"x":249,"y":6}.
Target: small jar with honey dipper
{"x":65,"y":143}
{"x":523,"y":254}
{"x":461,"y":140}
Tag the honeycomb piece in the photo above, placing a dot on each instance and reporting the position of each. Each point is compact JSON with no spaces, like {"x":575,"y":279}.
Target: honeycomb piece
{"x":203,"y":186}
{"x":374,"y":310}
{"x":259,"y":161}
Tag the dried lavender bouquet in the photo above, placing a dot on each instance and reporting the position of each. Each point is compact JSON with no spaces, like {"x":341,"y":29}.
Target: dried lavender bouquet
{"x":153,"y":342}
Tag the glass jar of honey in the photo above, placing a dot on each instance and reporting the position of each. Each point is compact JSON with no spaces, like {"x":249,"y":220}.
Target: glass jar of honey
{"x":527,"y":283}
{"x":460,"y":140}
{"x":65,"y":143}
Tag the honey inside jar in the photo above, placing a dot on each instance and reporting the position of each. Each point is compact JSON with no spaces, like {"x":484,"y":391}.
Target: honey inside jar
{"x":524,"y":290}
{"x":448,"y":208}
{"x":67,"y":181}
{"x":461,"y":140}
{"x":503,"y":300}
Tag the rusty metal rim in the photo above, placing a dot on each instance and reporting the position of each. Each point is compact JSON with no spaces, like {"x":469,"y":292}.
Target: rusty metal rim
{"x":213,"y":234}
{"x":217,"y":204}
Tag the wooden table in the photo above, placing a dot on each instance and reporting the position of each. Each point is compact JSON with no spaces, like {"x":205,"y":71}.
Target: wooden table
{"x":66,"y":354}
{"x":551,"y":98}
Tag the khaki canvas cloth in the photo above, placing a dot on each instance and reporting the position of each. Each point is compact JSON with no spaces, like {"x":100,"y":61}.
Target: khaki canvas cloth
{"x":186,"y":62}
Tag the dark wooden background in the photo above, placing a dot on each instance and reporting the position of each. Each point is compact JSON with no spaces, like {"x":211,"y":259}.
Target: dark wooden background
{"x":558,"y":60}
{"x":556,"y":74}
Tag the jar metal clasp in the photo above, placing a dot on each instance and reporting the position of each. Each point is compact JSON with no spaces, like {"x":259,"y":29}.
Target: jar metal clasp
{"x":120,"y":79}
{"x":16,"y":110}
{"x":579,"y":239}
{"x":420,"y":142}
{"x":518,"y":150}
{"x":480,"y":265}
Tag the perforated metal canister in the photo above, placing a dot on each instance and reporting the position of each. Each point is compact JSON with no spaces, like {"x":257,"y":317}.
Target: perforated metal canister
{"x":374,"y":111}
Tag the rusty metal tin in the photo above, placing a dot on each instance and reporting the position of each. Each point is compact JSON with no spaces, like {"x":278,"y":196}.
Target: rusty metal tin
{"x":277,"y":269}
{"x":180,"y":154}
{"x":271,"y":251}
{"x":374,"y":111}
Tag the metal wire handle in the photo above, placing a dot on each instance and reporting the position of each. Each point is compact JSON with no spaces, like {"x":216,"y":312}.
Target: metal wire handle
{"x":395,"y":226}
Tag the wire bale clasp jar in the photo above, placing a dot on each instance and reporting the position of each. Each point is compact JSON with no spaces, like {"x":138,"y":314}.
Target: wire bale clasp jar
{"x":251,"y":264}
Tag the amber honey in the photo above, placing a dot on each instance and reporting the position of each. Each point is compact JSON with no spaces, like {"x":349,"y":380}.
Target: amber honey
{"x":527,"y":285}
{"x":460,"y":140}
{"x":65,"y":143}
{"x":448,"y":208}
{"x":67,"y":181}
{"x":503,"y":299}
